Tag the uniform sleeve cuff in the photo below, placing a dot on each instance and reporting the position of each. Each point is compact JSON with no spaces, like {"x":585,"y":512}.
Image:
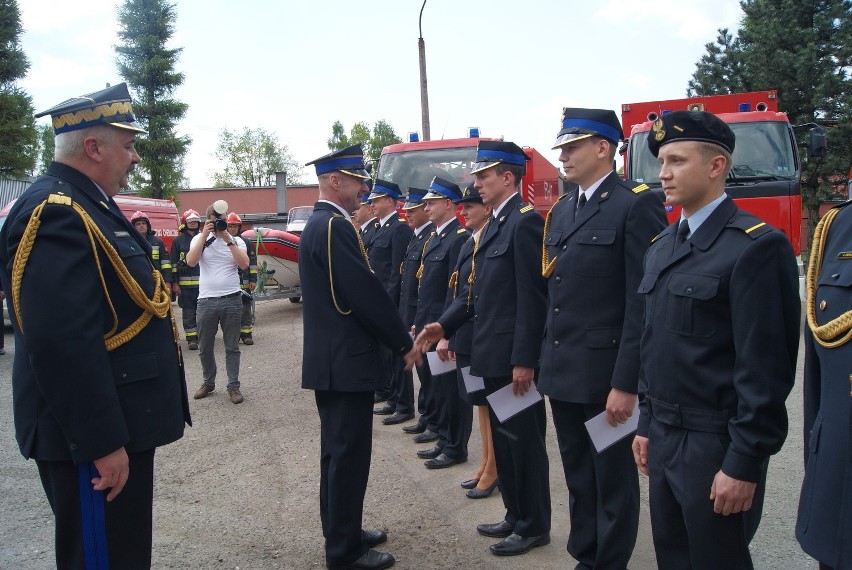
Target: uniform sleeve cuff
{"x":742,"y":467}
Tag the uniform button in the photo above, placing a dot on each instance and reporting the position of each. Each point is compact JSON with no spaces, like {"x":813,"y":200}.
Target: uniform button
{"x":73,"y":447}
{"x":475,"y":317}
{"x":556,"y":311}
{"x":559,"y":280}
{"x":835,"y":275}
{"x":689,"y":290}
{"x":555,"y":344}
{"x":124,"y":375}
{"x":564,"y":247}
{"x":615,"y":341}
{"x":594,"y":238}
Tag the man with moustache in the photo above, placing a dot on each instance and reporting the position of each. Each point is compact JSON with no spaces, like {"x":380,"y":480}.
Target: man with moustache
{"x":508,"y":302}
{"x":594,"y":243}
{"x":98,"y":377}
{"x":346,"y":319}
{"x":718,"y":353}
{"x":452,"y":416}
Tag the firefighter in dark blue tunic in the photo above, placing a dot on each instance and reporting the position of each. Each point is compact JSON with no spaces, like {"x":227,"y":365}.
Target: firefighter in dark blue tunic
{"x":159,"y":253}
{"x":718,"y":353}
{"x":824,"y":528}
{"x":595,"y":239}
{"x":98,"y":379}
{"x":347,"y":319}
{"x":508,"y":304}
{"x":452,"y":415}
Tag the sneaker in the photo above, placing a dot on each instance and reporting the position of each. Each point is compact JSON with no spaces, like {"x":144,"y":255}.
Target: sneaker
{"x":236,"y":396}
{"x":246,"y":338}
{"x":203,"y":391}
{"x":192,"y":345}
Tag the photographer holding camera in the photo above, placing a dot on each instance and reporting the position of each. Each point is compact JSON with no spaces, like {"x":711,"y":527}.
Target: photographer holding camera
{"x":218,"y":256}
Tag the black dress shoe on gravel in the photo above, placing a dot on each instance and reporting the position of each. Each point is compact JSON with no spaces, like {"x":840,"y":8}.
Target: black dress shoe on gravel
{"x":371,"y":560}
{"x":397,"y":418}
{"x":482,"y":493}
{"x":443,"y":461}
{"x":501,"y":529}
{"x":416,"y":428}
{"x":373,"y":538}
{"x":429,"y":453}
{"x":426,"y":437}
{"x":516,"y":544}
{"x":385,"y":410}
{"x":469,"y":484}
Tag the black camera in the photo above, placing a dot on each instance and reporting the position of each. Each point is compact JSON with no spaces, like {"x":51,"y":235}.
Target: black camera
{"x":220,"y":208}
{"x":220,"y":225}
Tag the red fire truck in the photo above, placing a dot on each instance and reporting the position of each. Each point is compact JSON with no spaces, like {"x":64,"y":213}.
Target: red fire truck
{"x":415,"y":163}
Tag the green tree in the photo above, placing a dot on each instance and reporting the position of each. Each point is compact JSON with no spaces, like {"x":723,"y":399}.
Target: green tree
{"x":251,"y":158}
{"x":144,"y":61}
{"x":372,"y":140}
{"x":46,"y":148}
{"x":18,"y":138}
{"x":804,"y":50}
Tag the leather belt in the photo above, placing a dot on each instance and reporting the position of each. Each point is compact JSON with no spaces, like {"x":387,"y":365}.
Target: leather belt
{"x":228,"y":296}
{"x":711,"y":421}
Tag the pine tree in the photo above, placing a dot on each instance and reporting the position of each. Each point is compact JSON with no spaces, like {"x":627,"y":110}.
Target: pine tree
{"x":804,"y":50}
{"x":18,"y":137}
{"x":148,"y":66}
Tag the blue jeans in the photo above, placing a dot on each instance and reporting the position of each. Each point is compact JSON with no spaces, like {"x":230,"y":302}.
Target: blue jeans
{"x":214,"y":312}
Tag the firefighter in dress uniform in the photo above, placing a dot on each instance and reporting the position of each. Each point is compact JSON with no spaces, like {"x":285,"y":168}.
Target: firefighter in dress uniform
{"x":718,"y":353}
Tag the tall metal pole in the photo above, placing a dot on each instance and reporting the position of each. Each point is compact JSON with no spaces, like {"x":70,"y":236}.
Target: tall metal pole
{"x":424,"y":94}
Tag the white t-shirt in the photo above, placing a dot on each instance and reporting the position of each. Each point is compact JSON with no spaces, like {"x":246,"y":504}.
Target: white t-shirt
{"x":219,"y":275}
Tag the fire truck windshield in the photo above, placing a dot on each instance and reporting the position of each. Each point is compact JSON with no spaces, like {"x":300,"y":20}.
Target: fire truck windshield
{"x":763,"y":151}
{"x":417,"y":168}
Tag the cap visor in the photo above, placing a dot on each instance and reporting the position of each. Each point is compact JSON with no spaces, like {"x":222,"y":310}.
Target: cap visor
{"x":359,"y":173}
{"x":568,"y":138}
{"x":480,"y":166}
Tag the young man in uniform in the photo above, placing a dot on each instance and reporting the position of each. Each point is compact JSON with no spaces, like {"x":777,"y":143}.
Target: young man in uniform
{"x":594,"y":241}
{"x":346,"y":319}
{"x":185,"y":277}
{"x":718,"y":353}
{"x":98,"y":375}
{"x":508,"y":302}
{"x":159,"y":255}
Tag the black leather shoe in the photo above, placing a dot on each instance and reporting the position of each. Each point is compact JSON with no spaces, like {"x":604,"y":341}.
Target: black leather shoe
{"x":443,"y":461}
{"x":397,"y":418}
{"x":482,"y":493}
{"x":516,"y":544}
{"x":373,"y":538}
{"x":469,"y":484}
{"x":371,"y":560}
{"x":426,"y":437}
{"x":416,"y":428}
{"x":501,"y":529}
{"x":429,"y":453}
{"x":385,"y":410}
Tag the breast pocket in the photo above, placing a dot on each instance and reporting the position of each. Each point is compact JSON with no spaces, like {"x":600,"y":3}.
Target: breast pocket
{"x":382,"y":242}
{"x":688,"y":311}
{"x":594,"y":255}
{"x":646,"y":287}
{"x":135,"y":259}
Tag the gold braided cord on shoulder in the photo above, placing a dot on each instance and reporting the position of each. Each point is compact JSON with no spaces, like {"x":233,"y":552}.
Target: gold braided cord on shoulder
{"x":159,"y":304}
{"x":547,"y":266}
{"x":838,"y":331}
{"x":422,"y":261}
{"x":331,"y":272}
{"x":472,"y":277}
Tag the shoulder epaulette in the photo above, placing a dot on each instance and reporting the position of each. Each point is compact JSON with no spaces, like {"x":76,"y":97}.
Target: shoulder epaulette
{"x":752,"y":226}
{"x":461,"y":231}
{"x":59,"y":198}
{"x":400,"y":219}
{"x":640,"y":188}
{"x":526,"y":209}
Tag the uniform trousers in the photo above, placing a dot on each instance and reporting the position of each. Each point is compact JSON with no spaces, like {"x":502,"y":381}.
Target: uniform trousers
{"x":385,"y":391}
{"x":603,"y":490}
{"x":225,"y":312}
{"x":125,"y":521}
{"x":188,"y":302}
{"x":426,"y":398}
{"x":687,"y":533}
{"x":247,"y":317}
{"x":346,"y":427}
{"x":522,"y":464}
{"x":402,"y":395}
{"x":454,"y":416}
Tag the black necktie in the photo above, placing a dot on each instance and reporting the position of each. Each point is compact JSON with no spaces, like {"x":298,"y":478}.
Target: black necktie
{"x":582,"y":201}
{"x":682,"y":232}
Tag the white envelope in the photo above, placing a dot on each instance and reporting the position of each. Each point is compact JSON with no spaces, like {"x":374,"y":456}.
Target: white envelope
{"x":472,"y":383}
{"x":506,"y":404}
{"x":604,"y":435}
{"x":438,"y":366}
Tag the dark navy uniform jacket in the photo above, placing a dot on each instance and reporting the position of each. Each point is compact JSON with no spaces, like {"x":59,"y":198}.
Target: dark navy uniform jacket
{"x":368,"y":233}
{"x":721,"y":331}
{"x":461,"y":342}
{"x":408,"y":275}
{"x":341,"y":351}
{"x":824,"y":527}
{"x":594,"y":314}
{"x":509,"y":294}
{"x":73,"y":399}
{"x":183,"y":274}
{"x":439,"y":260}
{"x":387,"y":252}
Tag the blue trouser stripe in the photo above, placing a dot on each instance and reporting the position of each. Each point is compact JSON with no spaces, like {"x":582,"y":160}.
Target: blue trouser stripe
{"x":94,"y":524}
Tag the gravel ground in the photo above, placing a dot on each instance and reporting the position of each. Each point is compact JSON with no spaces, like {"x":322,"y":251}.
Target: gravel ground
{"x":240,"y":490}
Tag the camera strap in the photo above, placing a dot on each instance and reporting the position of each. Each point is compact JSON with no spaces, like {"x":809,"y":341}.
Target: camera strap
{"x":210,"y":240}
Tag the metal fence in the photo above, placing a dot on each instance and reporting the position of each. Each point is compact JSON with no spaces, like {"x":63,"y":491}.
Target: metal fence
{"x":11,"y":189}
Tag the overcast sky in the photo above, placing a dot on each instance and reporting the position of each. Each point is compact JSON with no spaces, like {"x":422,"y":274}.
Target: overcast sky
{"x":507,"y":67}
